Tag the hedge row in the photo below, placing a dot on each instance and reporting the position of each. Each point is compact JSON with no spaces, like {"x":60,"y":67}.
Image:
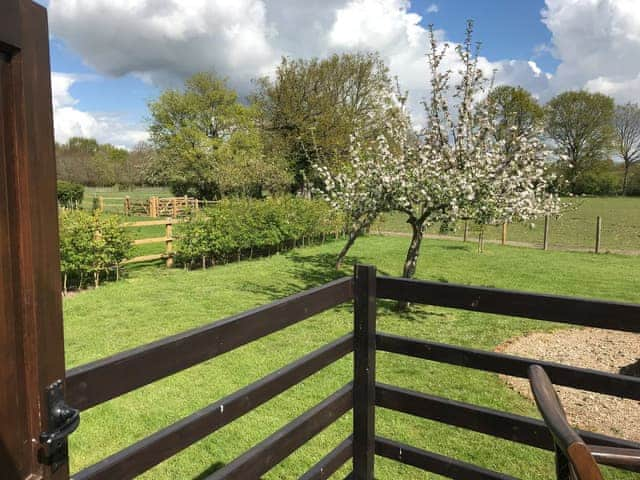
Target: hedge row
{"x":92,"y":246}
{"x":233,"y":229}
{"x":70,"y":194}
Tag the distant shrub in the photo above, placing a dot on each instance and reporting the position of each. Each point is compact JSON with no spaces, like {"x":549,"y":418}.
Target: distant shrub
{"x":633,"y":187}
{"x":70,"y":194}
{"x":244,"y":227}
{"x":598,"y":183}
{"x":91,"y":246}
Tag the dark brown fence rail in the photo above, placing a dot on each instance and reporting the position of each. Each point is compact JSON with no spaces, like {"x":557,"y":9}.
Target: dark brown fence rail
{"x":103,"y":380}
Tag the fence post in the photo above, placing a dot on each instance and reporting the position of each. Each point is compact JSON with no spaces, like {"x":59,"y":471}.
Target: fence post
{"x":127,"y":205}
{"x":504,"y":233}
{"x":545,"y":242}
{"x":175,"y":207}
{"x":101,"y":203}
{"x":169,"y":244}
{"x":598,"y":232}
{"x":466,"y":230}
{"x":153,"y":207}
{"x":364,"y":372}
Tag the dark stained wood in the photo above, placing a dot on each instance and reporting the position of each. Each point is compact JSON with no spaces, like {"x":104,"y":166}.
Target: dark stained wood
{"x":617,"y":457}
{"x":364,"y":371}
{"x":31,"y":342}
{"x":517,"y":428}
{"x":582,"y":378}
{"x":274,"y":449}
{"x":330,"y":463}
{"x":554,"y":308}
{"x":569,"y":445}
{"x":97,"y":382}
{"x":432,"y":462}
{"x":143,"y":455}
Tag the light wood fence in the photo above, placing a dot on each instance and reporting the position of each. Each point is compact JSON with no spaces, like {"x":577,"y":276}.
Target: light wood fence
{"x":167,"y":240}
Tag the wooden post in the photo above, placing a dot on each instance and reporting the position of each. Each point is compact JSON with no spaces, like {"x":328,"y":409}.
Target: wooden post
{"x":364,"y":371}
{"x":101,"y":203}
{"x":545,"y":242}
{"x":31,"y":334}
{"x":466,"y":230}
{"x":127,"y":205}
{"x":169,"y":244}
{"x":175,"y":207}
{"x":153,"y":207}
{"x":598,"y":232}
{"x":504,"y":233}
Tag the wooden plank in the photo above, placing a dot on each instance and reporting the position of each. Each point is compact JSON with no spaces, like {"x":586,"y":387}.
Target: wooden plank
{"x":145,"y":241}
{"x":97,"y":382}
{"x":151,"y":223}
{"x":141,"y":456}
{"x":577,"y":311}
{"x":331,"y":463}
{"x":516,"y":428}
{"x":271,"y":451}
{"x":144,"y":258}
{"x":364,"y":368}
{"x":31,"y":336}
{"x":432,"y":462}
{"x":583,"y":378}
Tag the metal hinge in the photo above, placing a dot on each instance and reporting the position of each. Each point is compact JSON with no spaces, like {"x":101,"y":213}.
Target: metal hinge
{"x":63,"y":421}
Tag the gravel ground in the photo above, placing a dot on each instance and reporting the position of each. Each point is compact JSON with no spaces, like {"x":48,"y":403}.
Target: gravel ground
{"x":597,"y":349}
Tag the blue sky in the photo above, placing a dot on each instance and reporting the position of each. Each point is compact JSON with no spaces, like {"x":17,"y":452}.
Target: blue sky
{"x":113,"y":71}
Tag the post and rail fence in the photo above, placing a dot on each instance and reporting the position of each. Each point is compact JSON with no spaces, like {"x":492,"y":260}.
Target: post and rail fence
{"x":153,"y":206}
{"x":98,"y":382}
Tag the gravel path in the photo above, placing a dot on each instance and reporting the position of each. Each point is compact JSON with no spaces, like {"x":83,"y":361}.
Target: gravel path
{"x":588,"y":348}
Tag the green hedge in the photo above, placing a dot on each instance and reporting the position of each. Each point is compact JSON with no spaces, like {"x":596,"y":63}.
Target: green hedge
{"x":70,"y":194}
{"x":92,"y":247}
{"x":234,"y":229}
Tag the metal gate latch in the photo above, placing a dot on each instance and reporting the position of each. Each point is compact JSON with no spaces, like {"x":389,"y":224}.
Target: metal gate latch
{"x":63,"y":420}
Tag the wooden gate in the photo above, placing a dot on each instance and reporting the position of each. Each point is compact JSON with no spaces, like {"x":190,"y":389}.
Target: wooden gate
{"x":31,"y":342}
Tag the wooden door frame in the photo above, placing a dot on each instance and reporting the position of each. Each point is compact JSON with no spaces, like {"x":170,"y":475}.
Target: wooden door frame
{"x":31,"y":335}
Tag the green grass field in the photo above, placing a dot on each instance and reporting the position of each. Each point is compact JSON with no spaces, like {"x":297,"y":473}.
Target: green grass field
{"x":113,"y":198}
{"x":576,"y":228}
{"x":154,"y":302}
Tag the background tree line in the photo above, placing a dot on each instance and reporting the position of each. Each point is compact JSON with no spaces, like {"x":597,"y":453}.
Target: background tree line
{"x":206,"y":142}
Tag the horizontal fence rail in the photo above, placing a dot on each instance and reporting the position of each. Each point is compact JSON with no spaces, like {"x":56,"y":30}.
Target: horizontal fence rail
{"x":553,"y":308}
{"x":433,"y":462}
{"x":264,"y":456}
{"x":165,"y":443}
{"x":97,"y":382}
{"x":332,"y":462}
{"x":516,"y":428}
{"x":582,"y":378}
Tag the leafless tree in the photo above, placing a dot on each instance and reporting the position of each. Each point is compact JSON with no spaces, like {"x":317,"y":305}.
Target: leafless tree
{"x":627,"y":123}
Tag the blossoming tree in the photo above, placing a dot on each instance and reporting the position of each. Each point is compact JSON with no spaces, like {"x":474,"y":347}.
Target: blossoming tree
{"x":457,"y":168}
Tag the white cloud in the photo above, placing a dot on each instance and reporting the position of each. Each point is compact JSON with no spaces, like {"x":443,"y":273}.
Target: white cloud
{"x":165,"y":41}
{"x":433,"y":8}
{"x":69,"y":121}
{"x":597,"y":42}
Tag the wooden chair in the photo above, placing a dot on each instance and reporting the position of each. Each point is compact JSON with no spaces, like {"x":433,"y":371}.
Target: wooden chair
{"x":575,"y":460}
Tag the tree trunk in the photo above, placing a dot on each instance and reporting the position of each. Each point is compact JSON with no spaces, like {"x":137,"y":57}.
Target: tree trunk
{"x":411,"y":261}
{"x":64,"y":283}
{"x":343,"y":253}
{"x":625,"y":179}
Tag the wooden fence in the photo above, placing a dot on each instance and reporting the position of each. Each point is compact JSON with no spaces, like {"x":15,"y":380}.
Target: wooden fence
{"x":167,"y":240}
{"x":151,"y":207}
{"x":95,"y":383}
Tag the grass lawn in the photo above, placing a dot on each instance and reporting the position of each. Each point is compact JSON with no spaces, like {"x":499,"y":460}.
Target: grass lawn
{"x":155,"y":302}
{"x":576,"y":228}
